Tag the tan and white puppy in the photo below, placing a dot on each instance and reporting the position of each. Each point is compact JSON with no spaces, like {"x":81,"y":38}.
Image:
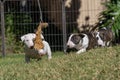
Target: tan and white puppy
{"x":30,"y":52}
{"x":81,"y":42}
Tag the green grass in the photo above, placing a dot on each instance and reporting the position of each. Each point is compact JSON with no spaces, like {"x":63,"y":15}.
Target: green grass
{"x":95,"y":64}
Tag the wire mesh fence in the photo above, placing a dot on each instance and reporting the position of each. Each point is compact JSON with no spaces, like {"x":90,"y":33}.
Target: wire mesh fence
{"x":23,"y":16}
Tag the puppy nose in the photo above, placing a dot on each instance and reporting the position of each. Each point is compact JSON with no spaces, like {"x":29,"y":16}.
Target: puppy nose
{"x":68,"y":46}
{"x":100,"y":45}
{"x":32,"y":47}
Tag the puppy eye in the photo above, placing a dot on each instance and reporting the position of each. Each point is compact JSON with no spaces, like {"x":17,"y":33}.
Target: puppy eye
{"x":97,"y":38}
{"x":27,"y":40}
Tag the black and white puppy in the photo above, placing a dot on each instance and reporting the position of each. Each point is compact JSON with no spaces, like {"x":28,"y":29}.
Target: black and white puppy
{"x":104,"y":37}
{"x":81,"y":42}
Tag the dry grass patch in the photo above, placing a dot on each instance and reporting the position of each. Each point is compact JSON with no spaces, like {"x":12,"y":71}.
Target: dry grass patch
{"x":95,"y":64}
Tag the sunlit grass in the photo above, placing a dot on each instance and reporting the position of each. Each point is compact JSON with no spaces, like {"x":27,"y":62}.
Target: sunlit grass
{"x":95,"y":64}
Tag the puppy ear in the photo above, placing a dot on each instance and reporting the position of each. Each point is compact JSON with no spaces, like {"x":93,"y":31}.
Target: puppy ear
{"x":33,"y":35}
{"x":81,"y":35}
{"x":94,"y":33}
{"x":22,"y":38}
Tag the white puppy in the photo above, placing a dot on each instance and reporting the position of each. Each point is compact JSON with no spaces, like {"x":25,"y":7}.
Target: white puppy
{"x":30,"y":52}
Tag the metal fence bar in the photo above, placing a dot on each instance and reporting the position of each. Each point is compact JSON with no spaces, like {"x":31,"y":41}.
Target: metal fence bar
{"x":2,"y":28}
{"x":64,"y":25}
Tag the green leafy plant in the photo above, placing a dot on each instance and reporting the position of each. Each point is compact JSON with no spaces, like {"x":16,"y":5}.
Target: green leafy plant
{"x":16,"y":25}
{"x":10,"y":42}
{"x":12,"y":46}
{"x":112,"y":11}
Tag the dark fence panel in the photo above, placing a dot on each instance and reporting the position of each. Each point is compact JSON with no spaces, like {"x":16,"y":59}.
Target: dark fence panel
{"x":23,"y":16}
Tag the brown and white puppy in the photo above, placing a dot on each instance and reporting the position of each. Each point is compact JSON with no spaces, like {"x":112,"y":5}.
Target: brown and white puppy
{"x":104,"y":37}
{"x":31,"y":52}
{"x":81,"y":42}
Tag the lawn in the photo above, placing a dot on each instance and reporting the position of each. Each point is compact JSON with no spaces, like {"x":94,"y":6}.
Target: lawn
{"x":95,"y":64}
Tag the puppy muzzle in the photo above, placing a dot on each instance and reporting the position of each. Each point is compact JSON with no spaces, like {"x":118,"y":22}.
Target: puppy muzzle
{"x":31,"y":47}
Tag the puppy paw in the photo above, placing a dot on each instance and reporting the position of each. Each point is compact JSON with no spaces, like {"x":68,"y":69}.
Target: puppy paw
{"x":81,"y":51}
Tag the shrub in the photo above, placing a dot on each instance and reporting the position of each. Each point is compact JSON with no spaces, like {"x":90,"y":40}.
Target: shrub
{"x":12,"y":46}
{"x":112,"y":10}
